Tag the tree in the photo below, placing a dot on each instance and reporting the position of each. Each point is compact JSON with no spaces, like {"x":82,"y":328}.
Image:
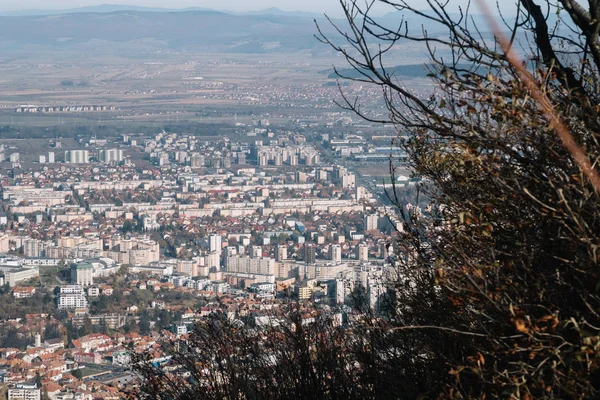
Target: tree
{"x":498,"y":284}
{"x":228,"y":360}
{"x":131,"y":327}
{"x":87,"y":327}
{"x":165,"y":318}
{"x":144,"y":323}
{"x":77,"y":373}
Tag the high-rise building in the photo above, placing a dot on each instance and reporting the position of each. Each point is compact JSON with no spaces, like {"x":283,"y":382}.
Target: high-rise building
{"x":82,"y":274}
{"x":248,"y":265}
{"x":213,"y":259}
{"x":197,"y":160}
{"x":256,"y":252}
{"x":384,"y":249}
{"x":310,"y":254}
{"x":348,"y":180}
{"x":263,"y":160}
{"x":214,"y":243}
{"x":371,"y":222}
{"x":42,"y":159}
{"x":163,"y":159}
{"x":181,"y":156}
{"x":341,"y":176}
{"x":362,"y":252}
{"x":77,"y":156}
{"x":360,"y":193}
{"x":335,"y":253}
{"x":300,"y":177}
{"x":230,"y":251}
{"x":280,"y":253}
{"x":241,"y":158}
{"x":110,"y":156}
{"x":226,"y":162}
{"x":15,"y":157}
{"x":51,"y":157}
{"x":34,"y":248}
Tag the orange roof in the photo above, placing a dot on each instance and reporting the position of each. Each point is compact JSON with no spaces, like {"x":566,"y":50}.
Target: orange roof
{"x":52,"y":387}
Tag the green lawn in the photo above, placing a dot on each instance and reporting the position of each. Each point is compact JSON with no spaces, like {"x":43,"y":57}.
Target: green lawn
{"x":48,"y":276}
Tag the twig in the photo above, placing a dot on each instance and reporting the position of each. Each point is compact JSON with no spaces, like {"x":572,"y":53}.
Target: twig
{"x":561,"y":129}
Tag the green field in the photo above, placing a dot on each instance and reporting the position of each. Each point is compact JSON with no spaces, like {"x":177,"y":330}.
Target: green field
{"x":48,"y":276}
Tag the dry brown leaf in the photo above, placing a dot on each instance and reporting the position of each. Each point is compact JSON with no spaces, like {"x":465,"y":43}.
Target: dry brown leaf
{"x":521,"y":326}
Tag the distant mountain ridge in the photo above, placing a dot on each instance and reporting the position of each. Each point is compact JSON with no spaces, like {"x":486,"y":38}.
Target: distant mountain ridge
{"x":136,"y":31}
{"x":109,"y":8}
{"x":130,"y":31}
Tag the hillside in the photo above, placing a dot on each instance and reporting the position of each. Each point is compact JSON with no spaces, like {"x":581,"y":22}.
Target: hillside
{"x":158,"y":31}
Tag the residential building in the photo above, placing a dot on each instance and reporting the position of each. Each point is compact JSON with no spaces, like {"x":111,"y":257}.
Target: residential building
{"x":24,"y":392}
{"x":82,"y":274}
{"x":280,"y":253}
{"x":310,"y":254}
{"x":362,"y":252}
{"x":110,"y":156}
{"x":215,"y":243}
{"x":335,"y":253}
{"x":72,"y":301}
{"x":77,"y":156}
{"x":371,"y":222}
{"x":23,"y":292}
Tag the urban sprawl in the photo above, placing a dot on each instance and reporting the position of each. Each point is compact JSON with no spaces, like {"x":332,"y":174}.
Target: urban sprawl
{"x":102,"y":256}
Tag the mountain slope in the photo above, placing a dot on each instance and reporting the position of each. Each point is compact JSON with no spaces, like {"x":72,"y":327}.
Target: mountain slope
{"x":191,"y":30}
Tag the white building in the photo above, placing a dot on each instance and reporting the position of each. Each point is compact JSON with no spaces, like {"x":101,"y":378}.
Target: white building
{"x":335,"y":253}
{"x":371,"y":222}
{"x":362,"y":252}
{"x":263,"y":288}
{"x":214,"y":243}
{"x":280,"y":253}
{"x":180,"y":329}
{"x":34,"y":248}
{"x":343,"y":290}
{"x":71,"y":301}
{"x":256,"y":252}
{"x":110,"y":156}
{"x":15,"y":275}
{"x":71,"y":289}
{"x":156,"y":270}
{"x":24,"y":392}
{"x":77,"y":156}
{"x":82,"y":274}
{"x":248,"y":265}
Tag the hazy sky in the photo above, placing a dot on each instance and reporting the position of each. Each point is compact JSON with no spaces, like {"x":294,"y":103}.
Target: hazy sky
{"x":318,"y":6}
